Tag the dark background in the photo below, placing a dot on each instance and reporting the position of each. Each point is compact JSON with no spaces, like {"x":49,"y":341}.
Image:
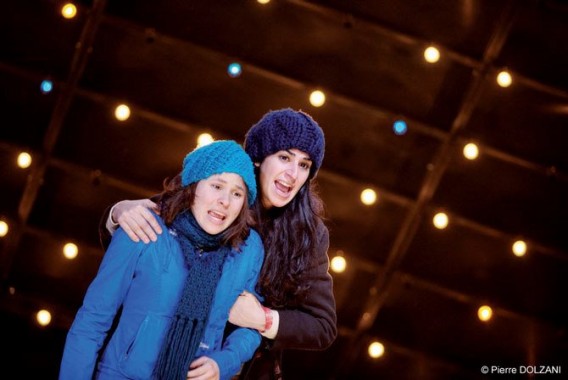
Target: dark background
{"x":413,"y":287}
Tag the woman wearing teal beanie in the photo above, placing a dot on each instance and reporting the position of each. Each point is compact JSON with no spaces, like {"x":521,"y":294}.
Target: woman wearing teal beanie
{"x":159,"y":311}
{"x":287,"y":148}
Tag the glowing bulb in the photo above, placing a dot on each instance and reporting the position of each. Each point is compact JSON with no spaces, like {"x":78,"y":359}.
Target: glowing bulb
{"x":3,"y":228}
{"x":234,"y":70}
{"x":43,"y":317}
{"x":46,"y":86}
{"x":519,"y":248}
{"x":440,"y":220}
{"x":484,"y":313}
{"x":376,"y":350}
{"x":368,"y":197}
{"x":204,"y":139}
{"x":431,"y":54}
{"x":70,"y":251}
{"x":317,"y":98}
{"x":122,"y":112}
{"x":338,"y":264}
{"x":399,"y":127}
{"x":263,"y":1}
{"x":24,"y":160}
{"x":69,"y":10}
{"x":470,"y":151}
{"x":504,"y":79}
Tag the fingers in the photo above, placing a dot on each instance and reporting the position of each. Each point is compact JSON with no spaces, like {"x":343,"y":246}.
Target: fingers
{"x":132,"y":228}
{"x":138,"y":222}
{"x":150,"y":219}
{"x":251,"y":297}
{"x":203,"y":368}
{"x":151,"y":205}
{"x":198,"y":362}
{"x":247,"y":312}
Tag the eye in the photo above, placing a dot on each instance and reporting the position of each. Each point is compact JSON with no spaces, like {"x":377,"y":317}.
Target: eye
{"x":284,"y":157}
{"x":305,"y":165}
{"x":238,"y":194}
{"x":215,"y":186}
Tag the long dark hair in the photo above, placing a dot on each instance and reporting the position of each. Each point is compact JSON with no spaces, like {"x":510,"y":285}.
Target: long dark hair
{"x":175,"y":199}
{"x":290,"y":235}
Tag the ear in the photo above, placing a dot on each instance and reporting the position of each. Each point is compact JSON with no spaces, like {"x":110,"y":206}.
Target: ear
{"x":257,"y":164}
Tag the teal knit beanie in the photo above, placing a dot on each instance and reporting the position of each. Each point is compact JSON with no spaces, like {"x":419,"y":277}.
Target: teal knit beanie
{"x":223,"y":156}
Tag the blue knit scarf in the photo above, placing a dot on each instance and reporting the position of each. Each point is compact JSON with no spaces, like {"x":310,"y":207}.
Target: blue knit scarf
{"x":204,"y":257}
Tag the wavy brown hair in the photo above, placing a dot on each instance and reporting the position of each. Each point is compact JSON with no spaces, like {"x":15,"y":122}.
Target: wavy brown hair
{"x":176,"y":198}
{"x":290,"y":235}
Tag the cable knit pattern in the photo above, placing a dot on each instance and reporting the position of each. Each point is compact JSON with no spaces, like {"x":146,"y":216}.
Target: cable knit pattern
{"x":286,"y":129}
{"x":222,"y":156}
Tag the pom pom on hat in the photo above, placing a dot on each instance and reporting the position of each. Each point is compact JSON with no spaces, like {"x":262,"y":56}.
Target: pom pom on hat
{"x":222,"y":156}
{"x":286,"y":129}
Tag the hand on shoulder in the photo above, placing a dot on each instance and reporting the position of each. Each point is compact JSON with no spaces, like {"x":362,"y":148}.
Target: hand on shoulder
{"x":137,"y":220}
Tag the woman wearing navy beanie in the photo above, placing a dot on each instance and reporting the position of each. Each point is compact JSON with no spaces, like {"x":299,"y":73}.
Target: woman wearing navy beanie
{"x":287,"y":147}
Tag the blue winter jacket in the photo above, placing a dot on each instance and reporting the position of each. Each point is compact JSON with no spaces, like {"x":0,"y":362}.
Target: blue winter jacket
{"x":144,"y":282}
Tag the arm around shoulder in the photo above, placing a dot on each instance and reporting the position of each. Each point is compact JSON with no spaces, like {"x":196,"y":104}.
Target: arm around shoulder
{"x":134,"y":216}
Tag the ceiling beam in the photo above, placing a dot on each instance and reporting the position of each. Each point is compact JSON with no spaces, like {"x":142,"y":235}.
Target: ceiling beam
{"x":80,"y":58}
{"x":375,"y":300}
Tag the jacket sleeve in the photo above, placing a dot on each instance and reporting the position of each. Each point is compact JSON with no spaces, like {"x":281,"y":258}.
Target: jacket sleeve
{"x":241,"y":343}
{"x":100,"y":305}
{"x":104,"y":234}
{"x":312,"y":325}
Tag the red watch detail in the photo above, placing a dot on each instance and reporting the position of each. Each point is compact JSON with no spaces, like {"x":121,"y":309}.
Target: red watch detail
{"x":268,"y":316}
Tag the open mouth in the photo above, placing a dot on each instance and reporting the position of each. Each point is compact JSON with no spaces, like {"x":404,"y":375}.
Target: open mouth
{"x":217,"y":216}
{"x":283,"y":187}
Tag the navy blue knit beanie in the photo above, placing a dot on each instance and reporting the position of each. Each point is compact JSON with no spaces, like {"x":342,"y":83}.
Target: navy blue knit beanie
{"x":223,"y":156}
{"x":286,"y":129}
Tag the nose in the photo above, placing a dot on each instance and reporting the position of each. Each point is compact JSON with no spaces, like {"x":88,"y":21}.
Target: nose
{"x":292,"y":170}
{"x":224,"y":199}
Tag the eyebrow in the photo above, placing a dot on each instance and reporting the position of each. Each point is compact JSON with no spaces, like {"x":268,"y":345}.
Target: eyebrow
{"x":294,"y":154}
{"x":218,"y":177}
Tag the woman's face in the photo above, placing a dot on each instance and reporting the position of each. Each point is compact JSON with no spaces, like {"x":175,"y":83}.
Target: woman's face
{"x":218,"y":201}
{"x":282,"y":174}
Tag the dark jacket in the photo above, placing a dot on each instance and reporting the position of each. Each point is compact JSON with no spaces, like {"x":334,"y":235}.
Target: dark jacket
{"x":311,"y":326}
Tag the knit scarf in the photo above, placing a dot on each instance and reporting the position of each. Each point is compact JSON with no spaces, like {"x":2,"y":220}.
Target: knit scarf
{"x":204,"y":257}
